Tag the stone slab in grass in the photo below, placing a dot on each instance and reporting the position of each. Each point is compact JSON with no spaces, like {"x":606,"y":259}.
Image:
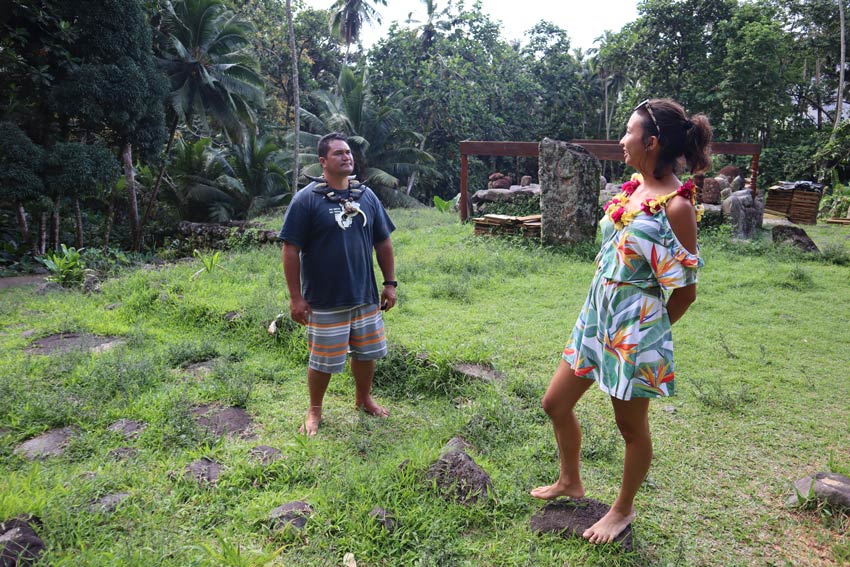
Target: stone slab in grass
{"x":830,"y":488}
{"x":227,"y":421}
{"x":571,"y":517}
{"x":122,"y":453}
{"x":265,"y":455}
{"x":108,"y":503}
{"x":128,"y":428}
{"x":458,"y":477}
{"x":65,"y":342}
{"x":293,"y":514}
{"x":200,"y":370}
{"x":49,"y":444}
{"x":19,"y":544}
{"x":385,"y":518}
{"x":478,"y":372}
{"x":204,"y":471}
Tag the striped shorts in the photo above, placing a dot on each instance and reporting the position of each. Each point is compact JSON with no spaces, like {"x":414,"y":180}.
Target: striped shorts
{"x":331,"y":335}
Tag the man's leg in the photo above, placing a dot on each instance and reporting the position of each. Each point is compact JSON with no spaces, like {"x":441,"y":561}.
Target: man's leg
{"x":364,"y":371}
{"x":317,"y":383}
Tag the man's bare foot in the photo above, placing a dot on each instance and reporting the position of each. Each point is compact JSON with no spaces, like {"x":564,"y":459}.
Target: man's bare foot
{"x":311,"y":422}
{"x":558,"y":489}
{"x":608,"y":527}
{"x":370,"y":407}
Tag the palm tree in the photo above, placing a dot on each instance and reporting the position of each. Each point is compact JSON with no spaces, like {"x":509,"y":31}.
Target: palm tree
{"x":383,"y":150}
{"x":258,"y":180}
{"x":347,"y":19}
{"x":211,"y":70}
{"x":296,"y":95}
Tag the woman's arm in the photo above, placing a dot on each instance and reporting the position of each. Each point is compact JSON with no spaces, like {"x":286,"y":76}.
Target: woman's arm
{"x":683,"y":221}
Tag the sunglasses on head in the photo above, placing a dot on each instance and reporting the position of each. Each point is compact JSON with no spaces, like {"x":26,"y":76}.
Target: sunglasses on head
{"x":645,"y":104}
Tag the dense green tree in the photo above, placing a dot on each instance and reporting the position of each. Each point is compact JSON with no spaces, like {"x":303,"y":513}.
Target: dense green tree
{"x":77,"y":170}
{"x":468,"y":84}
{"x":21,"y":164}
{"x":113,"y":87}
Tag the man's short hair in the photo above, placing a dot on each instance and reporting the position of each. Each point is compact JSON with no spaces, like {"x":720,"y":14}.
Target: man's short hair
{"x":325,"y":142}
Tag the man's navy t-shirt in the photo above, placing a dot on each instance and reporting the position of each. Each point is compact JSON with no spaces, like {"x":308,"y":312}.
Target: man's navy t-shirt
{"x":336,"y":262}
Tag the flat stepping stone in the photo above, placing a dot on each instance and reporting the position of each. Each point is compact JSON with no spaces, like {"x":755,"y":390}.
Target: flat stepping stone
{"x":478,"y":372}
{"x":204,"y":471}
{"x":265,"y":454}
{"x":293,"y":514}
{"x":65,"y":342}
{"x":386,"y":519}
{"x":201,"y":369}
{"x":19,"y":544}
{"x":49,"y":444}
{"x":122,"y":453}
{"x":128,"y":428}
{"x":459,"y":478}
{"x":571,"y":517}
{"x":831,"y":488}
{"x":228,"y":421}
{"x":108,"y":503}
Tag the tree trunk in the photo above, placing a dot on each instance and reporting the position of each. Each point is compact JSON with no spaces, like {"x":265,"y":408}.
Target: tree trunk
{"x":42,"y":233}
{"x":78,"y":221}
{"x":172,"y":132}
{"x":57,"y":202}
{"x":130,"y":175}
{"x":25,"y":229}
{"x":110,"y":218}
{"x":296,"y":96}
{"x":839,"y":99}
{"x":817,"y":91}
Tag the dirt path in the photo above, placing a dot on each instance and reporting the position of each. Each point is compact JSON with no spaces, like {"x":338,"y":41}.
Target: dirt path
{"x":18,"y":281}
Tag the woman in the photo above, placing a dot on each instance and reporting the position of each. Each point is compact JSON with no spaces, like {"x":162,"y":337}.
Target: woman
{"x":645,"y":281}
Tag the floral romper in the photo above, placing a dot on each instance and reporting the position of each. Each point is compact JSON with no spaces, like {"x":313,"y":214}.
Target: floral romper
{"x":622,"y":338}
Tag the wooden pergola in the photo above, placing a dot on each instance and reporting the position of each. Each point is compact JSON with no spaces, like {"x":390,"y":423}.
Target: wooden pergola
{"x":601,"y":149}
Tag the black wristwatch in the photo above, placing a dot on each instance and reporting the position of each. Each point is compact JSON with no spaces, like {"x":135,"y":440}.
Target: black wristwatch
{"x":391,"y":282}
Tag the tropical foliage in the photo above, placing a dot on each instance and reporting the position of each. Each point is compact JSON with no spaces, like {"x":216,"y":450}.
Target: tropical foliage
{"x":232,"y":76}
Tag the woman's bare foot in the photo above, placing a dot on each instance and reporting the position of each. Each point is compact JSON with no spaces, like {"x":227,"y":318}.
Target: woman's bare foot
{"x":370,"y":407}
{"x":558,"y":489}
{"x":608,"y":527}
{"x":311,"y":422}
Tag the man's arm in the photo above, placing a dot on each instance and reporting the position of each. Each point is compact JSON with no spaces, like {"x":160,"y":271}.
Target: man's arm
{"x":386,"y":261}
{"x":299,"y":310}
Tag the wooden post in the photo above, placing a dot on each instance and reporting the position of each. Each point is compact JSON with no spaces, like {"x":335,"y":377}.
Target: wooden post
{"x":755,"y":172}
{"x":463,"y":202}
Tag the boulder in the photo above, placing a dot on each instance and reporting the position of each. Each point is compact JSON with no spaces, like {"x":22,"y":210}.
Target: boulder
{"x":745,"y":212}
{"x":830,"y":488}
{"x":569,"y":193}
{"x":459,"y":478}
{"x":20,"y":546}
{"x":793,"y":236}
{"x":711,"y":191}
{"x":525,"y":180}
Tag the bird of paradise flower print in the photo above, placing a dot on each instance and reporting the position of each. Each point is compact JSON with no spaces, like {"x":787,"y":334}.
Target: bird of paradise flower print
{"x":622,"y":338}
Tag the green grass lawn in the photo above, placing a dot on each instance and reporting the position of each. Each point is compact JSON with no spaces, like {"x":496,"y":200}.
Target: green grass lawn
{"x":762,"y":400}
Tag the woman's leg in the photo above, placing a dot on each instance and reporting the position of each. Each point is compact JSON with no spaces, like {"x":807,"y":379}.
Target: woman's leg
{"x":633,"y":421}
{"x":561,"y":396}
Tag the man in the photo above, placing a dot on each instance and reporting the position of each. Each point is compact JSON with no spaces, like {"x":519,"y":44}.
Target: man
{"x":328,"y":234}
